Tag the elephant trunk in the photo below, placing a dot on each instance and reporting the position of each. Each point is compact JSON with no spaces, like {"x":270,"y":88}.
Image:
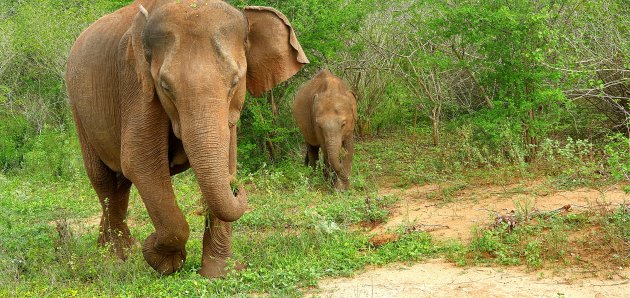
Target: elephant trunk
{"x":206,"y":139}
{"x":333,"y":147}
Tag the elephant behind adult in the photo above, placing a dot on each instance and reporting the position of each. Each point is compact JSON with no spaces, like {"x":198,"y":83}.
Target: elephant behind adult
{"x":157,"y":87}
{"x":325,"y":110}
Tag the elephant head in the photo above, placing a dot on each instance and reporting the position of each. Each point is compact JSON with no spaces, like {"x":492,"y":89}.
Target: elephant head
{"x":334,"y":115}
{"x":198,"y":58}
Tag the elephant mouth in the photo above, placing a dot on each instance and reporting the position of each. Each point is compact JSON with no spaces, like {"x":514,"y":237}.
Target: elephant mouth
{"x":236,"y":186}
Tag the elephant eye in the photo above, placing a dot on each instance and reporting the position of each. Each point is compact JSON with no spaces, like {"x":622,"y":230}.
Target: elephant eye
{"x":147,"y":55}
{"x":232,"y":87}
{"x":166,"y":87}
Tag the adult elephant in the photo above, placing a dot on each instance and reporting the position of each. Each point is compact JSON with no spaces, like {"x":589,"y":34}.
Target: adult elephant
{"x":157,"y":87}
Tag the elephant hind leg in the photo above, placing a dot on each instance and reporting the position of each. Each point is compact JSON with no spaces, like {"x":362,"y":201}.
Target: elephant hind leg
{"x":113,"y":229}
{"x":113,"y":193}
{"x":312,"y":155}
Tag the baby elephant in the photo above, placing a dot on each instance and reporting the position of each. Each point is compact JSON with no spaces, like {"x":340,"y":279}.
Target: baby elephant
{"x":325,"y":109}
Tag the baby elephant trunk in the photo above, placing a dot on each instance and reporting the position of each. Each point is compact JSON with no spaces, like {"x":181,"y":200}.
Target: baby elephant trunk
{"x":333,"y":148}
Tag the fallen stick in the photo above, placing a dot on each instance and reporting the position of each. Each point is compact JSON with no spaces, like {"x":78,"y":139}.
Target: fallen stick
{"x":548,"y":214}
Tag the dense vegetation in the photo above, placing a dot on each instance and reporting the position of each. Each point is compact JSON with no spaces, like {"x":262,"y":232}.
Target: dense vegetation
{"x":505,"y":76}
{"x":448,"y":90}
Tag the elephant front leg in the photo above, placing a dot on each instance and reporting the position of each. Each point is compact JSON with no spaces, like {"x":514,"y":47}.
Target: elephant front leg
{"x":165,"y":249}
{"x":217,"y":235}
{"x":343,"y":180}
{"x":217,"y":248}
{"x":144,"y":160}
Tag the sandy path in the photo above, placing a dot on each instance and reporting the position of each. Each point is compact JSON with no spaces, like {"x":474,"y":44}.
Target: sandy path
{"x":478,"y":206}
{"x":436,"y":278}
{"x":422,"y":206}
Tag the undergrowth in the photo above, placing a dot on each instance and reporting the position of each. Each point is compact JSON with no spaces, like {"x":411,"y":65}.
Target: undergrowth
{"x":594,"y":239}
{"x":297,"y":231}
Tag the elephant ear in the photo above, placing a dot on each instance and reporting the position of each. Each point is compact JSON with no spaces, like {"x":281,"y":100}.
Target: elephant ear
{"x":236,"y":105}
{"x":275,"y":54}
{"x":354,"y":106}
{"x":137,"y":57}
{"x":356,"y":98}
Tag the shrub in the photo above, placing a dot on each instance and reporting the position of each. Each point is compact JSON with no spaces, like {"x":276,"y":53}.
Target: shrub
{"x":54,"y":154}
{"x":13,"y":140}
{"x":618,"y":153}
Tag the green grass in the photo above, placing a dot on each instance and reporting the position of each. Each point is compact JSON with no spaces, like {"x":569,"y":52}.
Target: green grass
{"x":286,"y":244}
{"x":298,"y":229}
{"x":552,"y":241}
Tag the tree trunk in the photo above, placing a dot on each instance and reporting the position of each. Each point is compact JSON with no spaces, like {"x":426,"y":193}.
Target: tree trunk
{"x":274,"y":116}
{"x":435,"y":121}
{"x":274,"y":106}
{"x":530,"y":140}
{"x":271,"y":149}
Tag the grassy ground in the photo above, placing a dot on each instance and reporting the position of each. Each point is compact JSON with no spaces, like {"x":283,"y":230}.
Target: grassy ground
{"x":596,"y":241}
{"x":297,"y":231}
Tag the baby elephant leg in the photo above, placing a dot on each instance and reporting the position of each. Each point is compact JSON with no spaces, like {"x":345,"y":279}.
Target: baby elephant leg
{"x":312,"y":155}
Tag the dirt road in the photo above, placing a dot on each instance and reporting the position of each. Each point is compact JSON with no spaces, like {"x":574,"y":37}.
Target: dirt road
{"x":421,"y":206}
{"x":437,"y":278}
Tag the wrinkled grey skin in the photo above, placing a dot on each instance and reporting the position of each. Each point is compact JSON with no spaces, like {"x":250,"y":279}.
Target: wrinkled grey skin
{"x":325,"y":110}
{"x":156,"y":88}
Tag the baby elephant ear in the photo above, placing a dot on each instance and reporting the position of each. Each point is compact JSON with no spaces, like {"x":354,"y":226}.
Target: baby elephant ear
{"x":356,"y":98}
{"x":274,"y":54}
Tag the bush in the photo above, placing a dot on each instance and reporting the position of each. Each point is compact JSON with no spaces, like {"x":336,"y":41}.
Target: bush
{"x":265,"y":137}
{"x":54,"y":154}
{"x":575,"y":162}
{"x":13,"y":141}
{"x":35,"y":39}
{"x":618,"y":152}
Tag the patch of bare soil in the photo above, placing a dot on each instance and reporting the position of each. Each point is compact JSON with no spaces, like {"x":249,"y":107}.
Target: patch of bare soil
{"x":452,"y":212}
{"x":454,"y":216}
{"x":596,"y":253}
{"x":82,"y":225}
{"x":437,"y":278}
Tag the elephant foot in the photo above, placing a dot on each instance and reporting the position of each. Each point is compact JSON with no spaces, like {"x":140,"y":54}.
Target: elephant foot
{"x":119,"y":241}
{"x":328,"y":174}
{"x":212,"y":267}
{"x":163,"y":261}
{"x":342,"y":185}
